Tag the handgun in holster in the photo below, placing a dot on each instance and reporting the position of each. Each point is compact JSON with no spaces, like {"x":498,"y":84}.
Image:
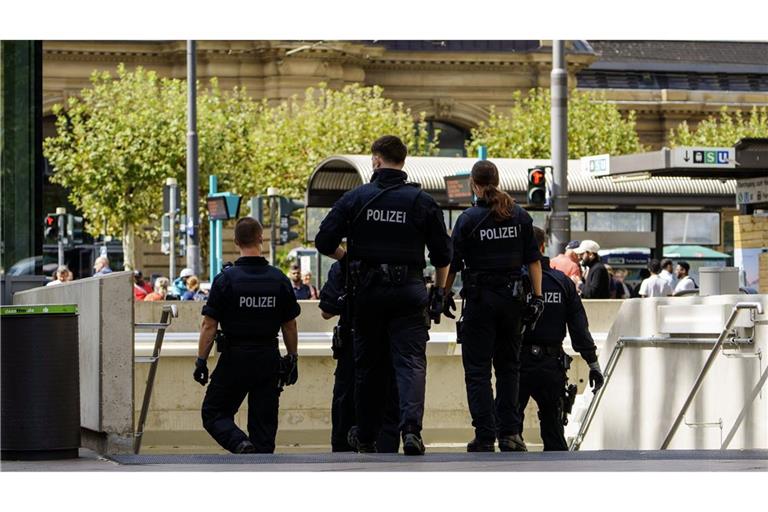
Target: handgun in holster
{"x":221,"y":341}
{"x":569,"y":397}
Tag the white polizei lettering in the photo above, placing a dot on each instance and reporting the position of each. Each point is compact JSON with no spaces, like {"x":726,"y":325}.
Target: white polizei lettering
{"x":257,"y":302}
{"x":498,"y":233}
{"x":553,"y":297}
{"x":396,"y":216}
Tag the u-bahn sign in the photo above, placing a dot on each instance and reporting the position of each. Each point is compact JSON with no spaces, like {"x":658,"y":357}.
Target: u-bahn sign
{"x":720,"y":158}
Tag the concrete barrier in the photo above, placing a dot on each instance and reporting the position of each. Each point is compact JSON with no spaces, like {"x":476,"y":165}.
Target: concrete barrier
{"x":105,"y":322}
{"x":305,"y":419}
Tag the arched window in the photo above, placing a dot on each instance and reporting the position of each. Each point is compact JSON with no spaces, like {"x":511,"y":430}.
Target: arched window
{"x":451,"y":139}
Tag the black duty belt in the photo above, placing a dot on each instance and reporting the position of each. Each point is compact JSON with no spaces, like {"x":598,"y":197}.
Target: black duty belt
{"x":489,"y":279}
{"x":389,"y":273}
{"x":246,"y":342}
{"x":536,"y":350}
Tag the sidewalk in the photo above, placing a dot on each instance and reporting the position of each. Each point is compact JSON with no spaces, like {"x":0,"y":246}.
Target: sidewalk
{"x":672,"y":460}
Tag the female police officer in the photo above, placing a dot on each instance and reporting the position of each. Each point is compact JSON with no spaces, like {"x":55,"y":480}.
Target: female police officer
{"x":491,"y":242}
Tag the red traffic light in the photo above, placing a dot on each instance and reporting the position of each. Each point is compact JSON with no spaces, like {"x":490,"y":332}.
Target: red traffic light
{"x":536,"y":177}
{"x":50,"y":220}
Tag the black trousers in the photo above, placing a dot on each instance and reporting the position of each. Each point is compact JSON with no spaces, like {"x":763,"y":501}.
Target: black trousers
{"x":391,"y":331}
{"x":543,"y":378}
{"x":491,"y":337}
{"x":242,"y":371}
{"x":343,"y":407}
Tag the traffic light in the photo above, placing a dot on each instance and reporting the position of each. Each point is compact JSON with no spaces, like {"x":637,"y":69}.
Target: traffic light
{"x":75,"y":228}
{"x":287,"y":207}
{"x":256,"y":205}
{"x":51,"y":228}
{"x":537,"y":186}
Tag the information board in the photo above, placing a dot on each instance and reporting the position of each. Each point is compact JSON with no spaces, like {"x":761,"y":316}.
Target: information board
{"x":458,"y":189}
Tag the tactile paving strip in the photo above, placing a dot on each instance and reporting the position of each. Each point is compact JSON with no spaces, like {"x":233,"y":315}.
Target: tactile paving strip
{"x":437,"y":457}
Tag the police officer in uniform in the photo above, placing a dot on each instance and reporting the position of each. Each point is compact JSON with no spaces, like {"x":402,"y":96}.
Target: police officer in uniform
{"x":333,"y":303}
{"x":251,"y":301}
{"x":544,"y":363}
{"x":491,"y":242}
{"x":388,"y":222}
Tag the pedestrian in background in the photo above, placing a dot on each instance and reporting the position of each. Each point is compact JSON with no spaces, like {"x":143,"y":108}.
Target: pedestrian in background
{"x":597,"y":282}
{"x":684,"y":281}
{"x":306,"y":278}
{"x":655,"y":285}
{"x":193,"y":290}
{"x":666,"y":273}
{"x":140,"y":287}
{"x":300,"y":290}
{"x":642,"y":275}
{"x":568,"y":262}
{"x":61,"y":275}
{"x":162,"y":284}
{"x":101,"y":266}
{"x":179,"y":287}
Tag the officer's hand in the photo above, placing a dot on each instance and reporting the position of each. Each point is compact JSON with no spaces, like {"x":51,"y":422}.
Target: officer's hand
{"x":449,"y":305}
{"x":201,"y":371}
{"x":533,"y":311}
{"x":436,"y":298}
{"x":289,"y":369}
{"x":596,"y":378}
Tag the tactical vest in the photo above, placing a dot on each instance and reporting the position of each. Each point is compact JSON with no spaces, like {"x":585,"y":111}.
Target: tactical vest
{"x":390,"y":228}
{"x":550,"y":329}
{"x":494,"y":245}
{"x":256,"y":299}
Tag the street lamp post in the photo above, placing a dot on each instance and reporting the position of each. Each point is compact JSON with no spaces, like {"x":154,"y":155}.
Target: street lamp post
{"x":560,"y":220}
{"x":193,"y":185}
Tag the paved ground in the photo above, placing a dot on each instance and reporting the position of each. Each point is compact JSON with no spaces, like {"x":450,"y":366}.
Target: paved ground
{"x":682,"y":460}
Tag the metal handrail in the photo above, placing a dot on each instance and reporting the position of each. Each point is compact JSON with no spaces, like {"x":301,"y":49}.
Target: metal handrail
{"x":622,"y":342}
{"x":707,"y":365}
{"x":169,"y":312}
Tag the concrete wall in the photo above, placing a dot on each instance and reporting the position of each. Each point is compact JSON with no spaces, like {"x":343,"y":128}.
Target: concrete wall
{"x":650,"y":384}
{"x":105,"y":322}
{"x":174,"y":418}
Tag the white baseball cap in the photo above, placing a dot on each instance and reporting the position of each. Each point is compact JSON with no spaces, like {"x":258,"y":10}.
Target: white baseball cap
{"x":587,"y":246}
{"x":187,"y":272}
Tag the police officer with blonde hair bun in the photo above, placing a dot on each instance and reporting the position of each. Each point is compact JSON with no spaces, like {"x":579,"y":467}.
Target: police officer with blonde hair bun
{"x":252,"y":301}
{"x":491,"y":243}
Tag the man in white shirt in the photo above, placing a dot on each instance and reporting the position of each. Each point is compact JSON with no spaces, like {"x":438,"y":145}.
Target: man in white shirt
{"x":684,"y":281}
{"x":655,"y":286}
{"x":666,"y":272}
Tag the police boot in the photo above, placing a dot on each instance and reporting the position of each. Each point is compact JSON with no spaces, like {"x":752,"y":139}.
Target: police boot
{"x":245,"y":446}
{"x":479,"y":445}
{"x":354,"y":442}
{"x":512,"y":443}
{"x":412,"y":444}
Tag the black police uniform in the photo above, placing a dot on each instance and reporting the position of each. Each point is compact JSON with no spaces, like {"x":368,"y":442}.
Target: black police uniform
{"x":490,"y":255}
{"x":343,"y":402}
{"x":250,"y":300}
{"x":386,"y":252}
{"x":543,"y":369}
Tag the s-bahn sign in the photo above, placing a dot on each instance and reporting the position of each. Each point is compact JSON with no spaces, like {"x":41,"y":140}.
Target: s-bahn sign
{"x":720,"y":158}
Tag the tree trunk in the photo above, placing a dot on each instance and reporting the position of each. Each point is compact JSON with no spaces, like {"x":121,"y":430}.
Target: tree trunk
{"x":129,"y":246}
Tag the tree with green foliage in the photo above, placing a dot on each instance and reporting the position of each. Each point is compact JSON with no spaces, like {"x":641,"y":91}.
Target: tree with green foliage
{"x":723,"y":130}
{"x":594,"y":127}
{"x":291,"y":138}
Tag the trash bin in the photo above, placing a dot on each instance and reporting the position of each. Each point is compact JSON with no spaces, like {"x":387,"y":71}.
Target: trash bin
{"x":40,"y":382}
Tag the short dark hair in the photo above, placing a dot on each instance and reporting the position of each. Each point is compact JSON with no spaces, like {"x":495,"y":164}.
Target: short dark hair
{"x":685,"y":266}
{"x":295,"y":266}
{"x":654,"y":266}
{"x":540,"y":235}
{"x":390,"y":148}
{"x":666,"y":262}
{"x":248,"y":232}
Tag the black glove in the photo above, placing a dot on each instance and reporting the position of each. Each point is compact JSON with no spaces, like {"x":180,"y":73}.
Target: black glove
{"x":533,"y":311}
{"x":436,"y":299}
{"x":289,"y":370}
{"x":449,"y":305}
{"x":596,"y":378}
{"x":201,"y":371}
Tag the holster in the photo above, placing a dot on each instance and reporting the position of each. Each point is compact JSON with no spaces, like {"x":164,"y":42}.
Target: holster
{"x":569,"y":397}
{"x":342,"y":337}
{"x":221,"y":341}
